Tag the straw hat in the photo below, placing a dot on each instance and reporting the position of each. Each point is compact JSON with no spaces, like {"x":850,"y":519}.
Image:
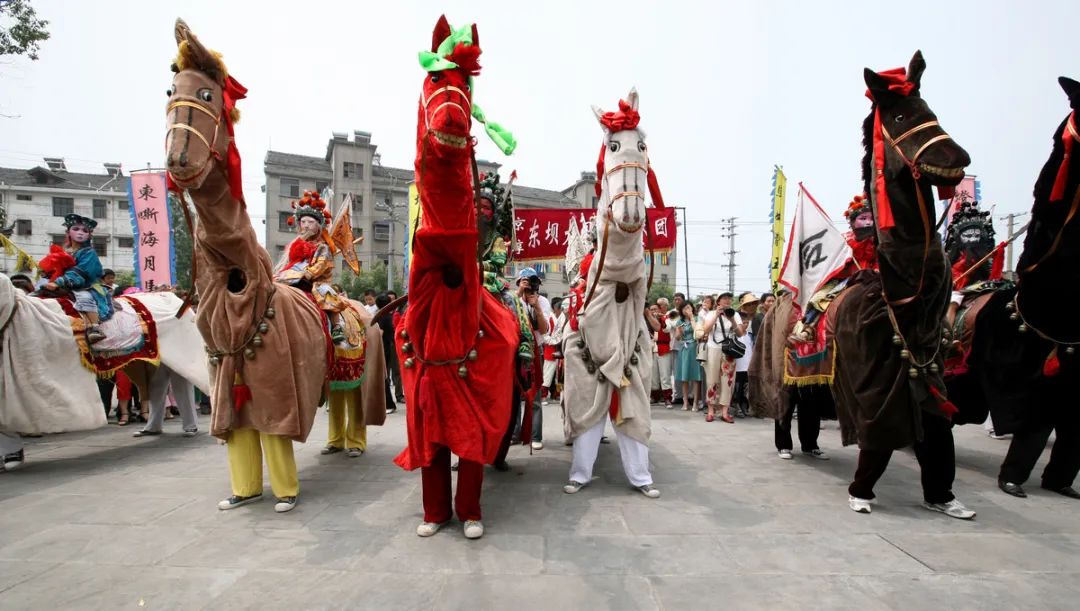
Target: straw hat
{"x":747,"y":300}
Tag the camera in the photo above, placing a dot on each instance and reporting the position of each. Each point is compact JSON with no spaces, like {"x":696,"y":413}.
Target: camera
{"x":730,"y":313}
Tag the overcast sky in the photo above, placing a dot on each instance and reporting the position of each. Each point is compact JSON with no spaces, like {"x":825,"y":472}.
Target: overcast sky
{"x":728,"y":89}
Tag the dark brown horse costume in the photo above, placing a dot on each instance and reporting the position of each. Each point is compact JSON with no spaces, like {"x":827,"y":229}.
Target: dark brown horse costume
{"x":1023,"y":364}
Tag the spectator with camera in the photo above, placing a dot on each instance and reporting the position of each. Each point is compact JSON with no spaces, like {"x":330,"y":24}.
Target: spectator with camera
{"x":722,"y":329}
{"x":540,"y":316}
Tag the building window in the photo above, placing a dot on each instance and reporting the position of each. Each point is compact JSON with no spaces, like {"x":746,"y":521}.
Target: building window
{"x":63,"y":206}
{"x":57,"y":239}
{"x":283,"y":221}
{"x":122,"y":204}
{"x":23,"y":197}
{"x":353,"y":170}
{"x":280,"y":251}
{"x":101,"y":246}
{"x":357,"y":232}
{"x":125,"y":242}
{"x":23,"y":227}
{"x":99,"y":208}
{"x":664,"y":279}
{"x":290,"y":187}
{"x":381,"y":230}
{"x":321,"y":185}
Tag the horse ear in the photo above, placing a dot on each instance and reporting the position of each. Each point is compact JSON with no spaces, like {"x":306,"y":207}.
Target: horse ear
{"x":181,"y":31}
{"x":877,"y":84}
{"x":1072,"y":89}
{"x":916,"y":69}
{"x":599,"y":112}
{"x":475,"y":36}
{"x":632,"y":98}
{"x":439,"y":34}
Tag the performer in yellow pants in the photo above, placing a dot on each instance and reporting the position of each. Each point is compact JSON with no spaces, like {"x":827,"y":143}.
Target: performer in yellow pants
{"x":246,"y":449}
{"x":345,"y":405}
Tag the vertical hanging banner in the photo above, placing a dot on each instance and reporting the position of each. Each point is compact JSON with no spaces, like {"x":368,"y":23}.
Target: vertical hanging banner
{"x":966,"y":191}
{"x":779,"y":193}
{"x":414,"y":222}
{"x":155,"y":261}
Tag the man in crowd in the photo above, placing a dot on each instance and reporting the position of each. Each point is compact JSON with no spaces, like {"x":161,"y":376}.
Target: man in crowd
{"x":552,"y":353}
{"x":540,"y":316}
{"x":677,"y":301}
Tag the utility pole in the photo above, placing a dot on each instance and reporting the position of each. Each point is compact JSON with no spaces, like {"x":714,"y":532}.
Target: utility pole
{"x":686,"y":251}
{"x":730,"y":265}
{"x":1009,"y":248}
{"x":391,"y":209}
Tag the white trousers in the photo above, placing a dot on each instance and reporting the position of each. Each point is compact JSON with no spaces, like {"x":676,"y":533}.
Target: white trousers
{"x":9,"y":444}
{"x":635,"y":456}
{"x":550,"y":369}
{"x":185,"y":399}
{"x":661,"y":371}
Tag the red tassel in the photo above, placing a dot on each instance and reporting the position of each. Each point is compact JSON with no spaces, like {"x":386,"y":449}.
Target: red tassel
{"x":613,"y":411}
{"x":883,"y":213}
{"x":600,"y":170}
{"x":997,"y":267}
{"x":1058,"y":192}
{"x":654,"y":190}
{"x":1052,"y":366}
{"x":948,"y":408}
{"x":241,"y":394}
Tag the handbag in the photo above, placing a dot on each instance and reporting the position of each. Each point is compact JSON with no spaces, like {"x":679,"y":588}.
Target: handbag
{"x":702,"y":346}
{"x":730,"y":346}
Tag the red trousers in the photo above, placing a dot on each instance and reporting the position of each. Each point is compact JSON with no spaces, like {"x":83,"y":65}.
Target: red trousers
{"x":436,"y":487}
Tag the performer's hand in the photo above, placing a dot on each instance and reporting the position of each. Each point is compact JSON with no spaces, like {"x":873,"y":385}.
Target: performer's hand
{"x":532,"y":299}
{"x":51,"y":286}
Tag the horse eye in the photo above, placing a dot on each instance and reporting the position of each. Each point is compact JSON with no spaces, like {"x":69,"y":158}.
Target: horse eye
{"x":435,"y":78}
{"x":205,"y":95}
{"x":641,"y":146}
{"x":613,"y":146}
{"x":170,"y":91}
{"x":899,"y":118}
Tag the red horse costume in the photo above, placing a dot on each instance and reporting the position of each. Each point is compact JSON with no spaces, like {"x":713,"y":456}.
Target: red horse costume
{"x":456,"y":341}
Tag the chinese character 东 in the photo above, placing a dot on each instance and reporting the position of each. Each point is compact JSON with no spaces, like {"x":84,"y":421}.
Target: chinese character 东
{"x":146,"y":192}
{"x":149,"y":239}
{"x":534,"y":234}
{"x":148,"y":263}
{"x":148,"y":214}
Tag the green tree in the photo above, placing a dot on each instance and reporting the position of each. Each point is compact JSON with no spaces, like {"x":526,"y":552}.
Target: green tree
{"x":658,"y":290}
{"x":20,"y":29}
{"x":372,"y":278}
{"x":182,"y":243}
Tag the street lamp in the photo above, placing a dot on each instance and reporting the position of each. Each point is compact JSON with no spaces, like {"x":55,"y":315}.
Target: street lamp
{"x":391,"y":209}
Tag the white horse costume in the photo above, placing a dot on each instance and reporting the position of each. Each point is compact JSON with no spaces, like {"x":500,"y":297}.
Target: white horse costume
{"x":44,"y":388}
{"x":608,"y":359}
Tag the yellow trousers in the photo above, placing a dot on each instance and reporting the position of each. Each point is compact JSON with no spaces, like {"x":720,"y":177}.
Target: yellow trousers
{"x":344,"y":405}
{"x":246,"y":449}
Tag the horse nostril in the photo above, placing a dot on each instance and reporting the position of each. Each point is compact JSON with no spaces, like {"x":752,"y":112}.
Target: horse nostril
{"x":183,"y":160}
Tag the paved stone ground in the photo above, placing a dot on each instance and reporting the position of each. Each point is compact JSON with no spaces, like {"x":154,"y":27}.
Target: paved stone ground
{"x":102,"y":520}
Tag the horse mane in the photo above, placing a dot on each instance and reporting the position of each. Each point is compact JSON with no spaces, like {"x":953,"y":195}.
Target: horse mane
{"x":1045,"y":182}
{"x":868,"y":150}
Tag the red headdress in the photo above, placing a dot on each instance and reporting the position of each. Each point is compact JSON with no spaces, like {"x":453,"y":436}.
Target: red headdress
{"x":898,"y":84}
{"x":1068,"y":137}
{"x":623,"y":119}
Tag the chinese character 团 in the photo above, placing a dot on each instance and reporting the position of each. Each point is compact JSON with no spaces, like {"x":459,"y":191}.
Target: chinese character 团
{"x":661,"y":227}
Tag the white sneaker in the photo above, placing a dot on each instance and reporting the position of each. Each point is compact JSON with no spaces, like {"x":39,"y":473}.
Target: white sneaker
{"x":538,"y":445}
{"x":237,"y":501}
{"x":572,"y":487}
{"x":953,"y":509}
{"x":474,"y":529}
{"x":427,"y":529}
{"x":285,"y":504}
{"x":858,"y":505}
{"x":785,"y":454}
{"x":650,"y":491}
{"x":818,"y":454}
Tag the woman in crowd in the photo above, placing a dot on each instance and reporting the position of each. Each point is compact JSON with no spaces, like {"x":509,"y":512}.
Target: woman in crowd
{"x":687,"y":368}
{"x":722,"y":323}
{"x":748,"y":306}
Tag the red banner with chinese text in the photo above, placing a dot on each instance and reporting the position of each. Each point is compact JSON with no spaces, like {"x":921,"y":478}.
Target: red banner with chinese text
{"x":541,"y":233}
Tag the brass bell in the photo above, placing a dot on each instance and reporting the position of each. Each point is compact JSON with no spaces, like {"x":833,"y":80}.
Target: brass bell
{"x":637,"y":348}
{"x":897,"y":340}
{"x":913,"y":373}
{"x":905,"y":354}
{"x":1071,"y":350}
{"x":633,"y":359}
{"x":257,"y":341}
{"x":406,"y":347}
{"x":249,"y":353}
{"x":404,"y":334}
{"x":1014,"y":316}
{"x":600,"y":377}
{"x":473,"y":355}
{"x":626,"y":371}
{"x":933,"y":368}
{"x":1022,"y":328}
{"x":215,"y":361}
{"x":1010,"y":306}
{"x":264,"y":328}
{"x":480,"y":334}
{"x":270,"y":313}
{"x":409,"y":363}
{"x":591,"y":368}
{"x":462,"y":371}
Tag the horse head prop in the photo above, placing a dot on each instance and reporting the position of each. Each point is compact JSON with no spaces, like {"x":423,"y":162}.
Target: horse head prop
{"x":623,"y":171}
{"x":201,"y":111}
{"x":905,"y":142}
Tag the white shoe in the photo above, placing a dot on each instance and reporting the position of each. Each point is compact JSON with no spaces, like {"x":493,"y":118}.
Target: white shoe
{"x":785,"y":454}
{"x":286,"y":504}
{"x":572,"y":487}
{"x":953,"y":509}
{"x":859,"y":505}
{"x":474,"y":529}
{"x":426,"y":529}
{"x":650,"y":491}
{"x":237,"y":501}
{"x":538,"y":445}
{"x":818,"y":454}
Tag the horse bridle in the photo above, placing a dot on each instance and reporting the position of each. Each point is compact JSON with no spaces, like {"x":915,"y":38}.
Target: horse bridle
{"x":445,"y":89}
{"x":210,"y":144}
